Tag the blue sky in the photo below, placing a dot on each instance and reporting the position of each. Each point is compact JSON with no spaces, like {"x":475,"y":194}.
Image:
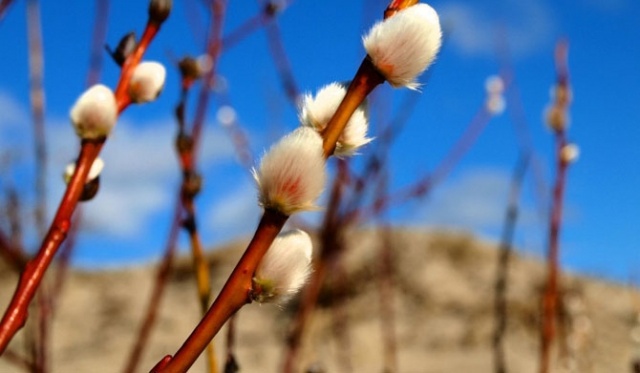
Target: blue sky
{"x":127,"y":222}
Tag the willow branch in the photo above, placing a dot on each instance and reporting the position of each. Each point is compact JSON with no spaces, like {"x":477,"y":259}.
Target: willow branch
{"x":550,"y":296}
{"x":16,"y":314}
{"x":502,"y":268}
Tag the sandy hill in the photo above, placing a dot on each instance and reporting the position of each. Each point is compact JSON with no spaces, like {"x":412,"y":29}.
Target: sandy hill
{"x":443,"y":302}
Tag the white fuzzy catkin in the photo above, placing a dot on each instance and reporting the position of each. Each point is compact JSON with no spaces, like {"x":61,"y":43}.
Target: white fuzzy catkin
{"x":147,"y":82}
{"x":94,"y":171}
{"x":292,"y":173}
{"x":317,"y":111}
{"x":495,"y":103}
{"x":284,"y":269}
{"x":404,"y":45}
{"x":569,"y":153}
{"x":95,"y":113}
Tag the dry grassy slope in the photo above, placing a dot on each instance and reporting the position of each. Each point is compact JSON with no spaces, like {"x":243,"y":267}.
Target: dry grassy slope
{"x":443,"y":301}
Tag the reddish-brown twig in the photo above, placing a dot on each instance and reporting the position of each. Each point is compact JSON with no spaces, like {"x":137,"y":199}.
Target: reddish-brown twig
{"x":502,"y":267}
{"x":4,"y":5}
{"x":397,"y":5}
{"x":16,"y":313}
{"x":426,"y":183}
{"x":550,"y":296}
{"x":283,"y":66}
{"x":328,"y":247}
{"x":184,"y":214}
{"x":231,"y":364}
{"x":36,"y":71}
{"x":162,"y":277}
{"x":233,"y":296}
{"x":237,"y":290}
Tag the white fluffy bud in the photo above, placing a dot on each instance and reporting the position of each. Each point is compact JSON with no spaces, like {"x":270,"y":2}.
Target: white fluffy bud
{"x":403,"y":46}
{"x":95,"y":113}
{"x":495,"y":103}
{"x":284,"y":269}
{"x":494,"y":85}
{"x":569,"y":153}
{"x":292,"y":173}
{"x":317,"y":111}
{"x":147,"y":82}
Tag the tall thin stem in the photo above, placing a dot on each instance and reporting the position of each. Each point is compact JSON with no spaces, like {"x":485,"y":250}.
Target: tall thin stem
{"x":234,"y":295}
{"x":550,"y":296}
{"x":502,"y":268}
{"x":15,"y":315}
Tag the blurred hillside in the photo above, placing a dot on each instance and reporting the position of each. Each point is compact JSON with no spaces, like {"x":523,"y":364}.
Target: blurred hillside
{"x":443,"y":301}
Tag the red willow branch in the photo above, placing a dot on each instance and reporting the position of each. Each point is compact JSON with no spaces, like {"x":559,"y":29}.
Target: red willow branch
{"x":550,"y":296}
{"x":93,"y":77}
{"x":237,"y":290}
{"x":16,"y":313}
{"x":187,"y":151}
{"x":235,"y":293}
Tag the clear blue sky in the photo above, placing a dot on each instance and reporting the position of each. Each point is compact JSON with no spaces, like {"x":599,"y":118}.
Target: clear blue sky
{"x":127,"y":223}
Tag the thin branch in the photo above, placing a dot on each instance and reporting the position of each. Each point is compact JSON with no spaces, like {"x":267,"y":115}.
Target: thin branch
{"x":4,"y":5}
{"x":16,"y":314}
{"x":550,"y":296}
{"x":36,"y":71}
{"x":327,"y":249}
{"x":502,"y":268}
{"x":162,"y":277}
{"x":100,"y":26}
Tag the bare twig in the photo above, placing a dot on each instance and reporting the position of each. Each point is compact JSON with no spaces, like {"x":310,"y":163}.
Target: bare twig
{"x":550,"y":296}
{"x":162,"y":277}
{"x":328,"y":248}
{"x":36,"y":72}
{"x":16,"y":313}
{"x":502,"y":268}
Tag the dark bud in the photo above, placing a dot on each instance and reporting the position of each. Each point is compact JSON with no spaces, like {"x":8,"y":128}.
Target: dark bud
{"x":190,"y":68}
{"x":159,"y":10}
{"x":231,"y":365}
{"x":184,"y":143}
{"x":125,"y":47}
{"x":272,"y":8}
{"x":191,"y":184}
{"x":189,"y":224}
{"x":90,"y":189}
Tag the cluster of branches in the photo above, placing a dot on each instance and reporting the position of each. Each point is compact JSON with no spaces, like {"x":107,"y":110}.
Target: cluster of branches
{"x":357,"y":195}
